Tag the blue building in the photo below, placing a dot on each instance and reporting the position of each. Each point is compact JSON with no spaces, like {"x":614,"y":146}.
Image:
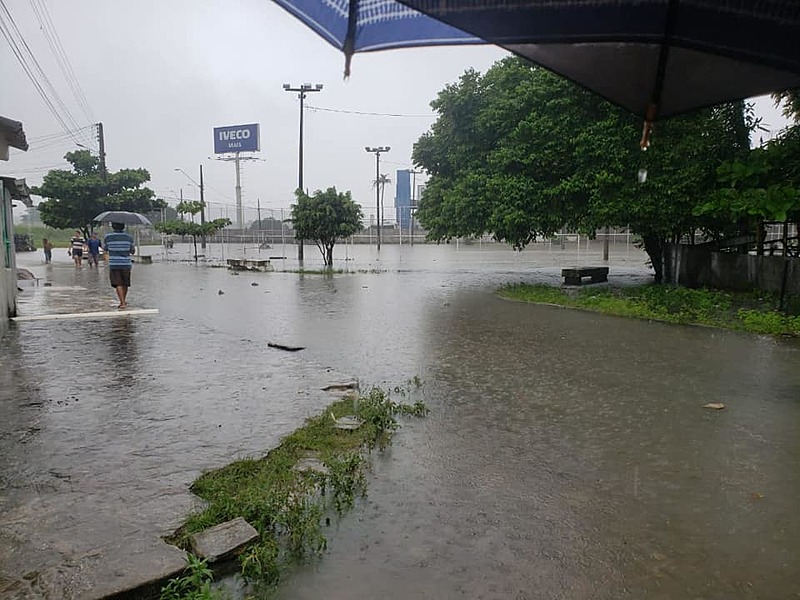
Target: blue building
{"x":402,"y":200}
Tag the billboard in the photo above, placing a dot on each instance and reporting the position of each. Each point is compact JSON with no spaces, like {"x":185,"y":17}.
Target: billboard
{"x":236,"y":138}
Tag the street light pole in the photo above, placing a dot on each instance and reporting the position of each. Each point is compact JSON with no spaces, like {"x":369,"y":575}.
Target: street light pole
{"x":202,"y":208}
{"x":377,"y":152}
{"x":301,"y":90}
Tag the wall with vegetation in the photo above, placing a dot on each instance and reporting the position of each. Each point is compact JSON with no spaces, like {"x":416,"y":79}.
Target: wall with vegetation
{"x":697,"y":267}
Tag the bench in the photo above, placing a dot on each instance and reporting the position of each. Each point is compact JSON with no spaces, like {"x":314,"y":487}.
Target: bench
{"x":576,"y":275}
{"x":243,"y":264}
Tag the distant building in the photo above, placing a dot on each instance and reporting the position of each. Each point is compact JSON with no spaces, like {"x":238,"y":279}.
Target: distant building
{"x":403,"y":199}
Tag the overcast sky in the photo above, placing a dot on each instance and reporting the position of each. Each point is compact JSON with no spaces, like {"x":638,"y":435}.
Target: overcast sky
{"x":161,"y":75}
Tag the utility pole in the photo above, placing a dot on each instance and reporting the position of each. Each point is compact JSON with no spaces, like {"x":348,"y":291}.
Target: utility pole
{"x":202,"y":207}
{"x":377,"y":152}
{"x":301,"y":90}
{"x":102,"y":143}
{"x":258,"y":204}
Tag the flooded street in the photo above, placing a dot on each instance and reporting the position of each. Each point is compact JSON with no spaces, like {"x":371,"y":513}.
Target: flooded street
{"x":566,"y":454}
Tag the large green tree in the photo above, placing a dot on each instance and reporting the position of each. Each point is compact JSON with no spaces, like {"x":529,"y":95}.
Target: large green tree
{"x":73,"y":198}
{"x":520,"y":153}
{"x":326,"y":217}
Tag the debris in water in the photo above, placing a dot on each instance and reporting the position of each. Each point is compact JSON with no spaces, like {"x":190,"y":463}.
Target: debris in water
{"x":714,"y":405}
{"x":287,"y":348}
{"x":254,"y":284}
{"x":220,"y":292}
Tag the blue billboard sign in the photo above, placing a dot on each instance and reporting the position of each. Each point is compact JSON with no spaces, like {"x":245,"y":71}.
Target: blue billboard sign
{"x":236,"y":138}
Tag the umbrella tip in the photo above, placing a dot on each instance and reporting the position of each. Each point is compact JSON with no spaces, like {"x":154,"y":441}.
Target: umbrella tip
{"x":348,"y":56}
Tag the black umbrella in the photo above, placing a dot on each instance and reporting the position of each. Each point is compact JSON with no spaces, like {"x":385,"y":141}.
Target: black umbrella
{"x":654,"y":57}
{"x":122,"y":216}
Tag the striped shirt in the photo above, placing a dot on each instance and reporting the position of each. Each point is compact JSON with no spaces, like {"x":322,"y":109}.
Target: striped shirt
{"x":119,"y":246}
{"x":77,"y":243}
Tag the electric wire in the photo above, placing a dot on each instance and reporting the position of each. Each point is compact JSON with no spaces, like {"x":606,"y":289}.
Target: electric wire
{"x":54,"y":41}
{"x":34,"y":71}
{"x":369,"y":114}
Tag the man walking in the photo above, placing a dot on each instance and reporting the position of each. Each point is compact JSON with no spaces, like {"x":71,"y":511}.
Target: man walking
{"x":76,"y":248}
{"x":94,"y":249}
{"x":47,"y":245}
{"x":119,"y":246}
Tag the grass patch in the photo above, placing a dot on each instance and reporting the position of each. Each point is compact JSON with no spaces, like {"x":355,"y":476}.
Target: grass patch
{"x":753,"y":312}
{"x":288,"y":506}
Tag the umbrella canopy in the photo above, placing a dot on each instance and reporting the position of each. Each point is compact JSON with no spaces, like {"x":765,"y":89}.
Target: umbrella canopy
{"x":654,"y":57}
{"x":122,"y":216}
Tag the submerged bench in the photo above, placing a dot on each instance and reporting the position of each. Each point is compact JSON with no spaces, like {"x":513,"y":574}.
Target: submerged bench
{"x":576,"y":275}
{"x":243,"y":264}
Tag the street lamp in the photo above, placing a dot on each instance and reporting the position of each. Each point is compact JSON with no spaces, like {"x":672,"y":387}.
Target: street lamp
{"x":202,"y":200}
{"x":377,"y":152}
{"x":301,"y":90}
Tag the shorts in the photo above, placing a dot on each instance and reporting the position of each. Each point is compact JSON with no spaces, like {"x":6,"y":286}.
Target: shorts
{"x":121,"y":277}
{"x":77,"y":252}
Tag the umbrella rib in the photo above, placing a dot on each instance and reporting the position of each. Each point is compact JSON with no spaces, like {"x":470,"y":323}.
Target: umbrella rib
{"x":661,"y":69}
{"x":349,"y":46}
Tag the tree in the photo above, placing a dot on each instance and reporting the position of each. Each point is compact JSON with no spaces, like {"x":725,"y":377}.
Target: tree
{"x":521,"y":153}
{"x":73,"y":198}
{"x":193,"y":229}
{"x":325,"y":218}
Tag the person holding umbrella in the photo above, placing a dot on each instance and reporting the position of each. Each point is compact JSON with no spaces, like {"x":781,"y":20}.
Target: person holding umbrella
{"x":119,"y":246}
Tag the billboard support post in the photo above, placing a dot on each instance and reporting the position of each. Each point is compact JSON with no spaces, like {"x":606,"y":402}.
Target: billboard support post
{"x":239,"y":215}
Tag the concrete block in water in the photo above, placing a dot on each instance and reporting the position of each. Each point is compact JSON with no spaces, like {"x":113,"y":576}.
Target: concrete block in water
{"x":224,"y":540}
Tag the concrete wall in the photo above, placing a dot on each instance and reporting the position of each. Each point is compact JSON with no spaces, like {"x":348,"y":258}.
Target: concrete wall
{"x":698,"y":267}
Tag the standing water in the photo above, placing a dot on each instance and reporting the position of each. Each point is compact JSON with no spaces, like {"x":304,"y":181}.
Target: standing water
{"x":566,"y":454}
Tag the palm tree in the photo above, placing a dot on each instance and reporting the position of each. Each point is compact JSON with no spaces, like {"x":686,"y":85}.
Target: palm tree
{"x":381,"y":181}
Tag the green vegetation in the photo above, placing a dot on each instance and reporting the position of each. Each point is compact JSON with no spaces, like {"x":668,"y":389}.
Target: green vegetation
{"x":191,"y":228}
{"x":519,"y":152}
{"x":288,"y":505}
{"x":194,"y":585}
{"x":752,"y":312}
{"x":60,"y":237}
{"x":73,"y":198}
{"x":325,"y":218}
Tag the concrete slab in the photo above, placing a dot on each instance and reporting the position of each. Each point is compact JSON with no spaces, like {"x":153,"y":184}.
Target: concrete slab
{"x":224,"y":540}
{"x":311,"y":464}
{"x":89,"y":315}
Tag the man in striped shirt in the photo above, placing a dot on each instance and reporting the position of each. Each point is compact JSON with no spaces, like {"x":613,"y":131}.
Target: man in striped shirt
{"x":119,"y":246}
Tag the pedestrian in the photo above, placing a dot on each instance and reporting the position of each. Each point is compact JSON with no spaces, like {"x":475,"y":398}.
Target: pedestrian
{"x":47,"y":246}
{"x":76,"y":248}
{"x":119,"y":246}
{"x":94,"y":249}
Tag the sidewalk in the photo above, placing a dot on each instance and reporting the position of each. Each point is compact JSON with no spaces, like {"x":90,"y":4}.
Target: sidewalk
{"x":105,"y":423}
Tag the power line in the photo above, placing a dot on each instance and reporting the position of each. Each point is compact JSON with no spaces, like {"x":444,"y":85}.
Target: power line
{"x":54,"y":41}
{"x":57,"y":49}
{"x":369,"y":114}
{"x":31,"y":66}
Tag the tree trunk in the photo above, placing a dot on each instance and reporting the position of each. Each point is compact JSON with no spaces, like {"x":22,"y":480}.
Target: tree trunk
{"x":329,"y":255}
{"x":654,"y":246}
{"x":194,"y":239}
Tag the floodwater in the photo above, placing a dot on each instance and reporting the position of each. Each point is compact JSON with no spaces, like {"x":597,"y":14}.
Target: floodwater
{"x":567,"y":454}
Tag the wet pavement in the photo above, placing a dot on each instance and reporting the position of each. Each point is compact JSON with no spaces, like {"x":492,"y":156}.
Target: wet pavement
{"x":566,"y":455}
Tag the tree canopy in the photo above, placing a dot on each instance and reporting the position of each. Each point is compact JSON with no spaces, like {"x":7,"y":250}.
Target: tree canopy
{"x":73,"y":198}
{"x":520,"y":153}
{"x":192,"y":229}
{"x":326,"y":217}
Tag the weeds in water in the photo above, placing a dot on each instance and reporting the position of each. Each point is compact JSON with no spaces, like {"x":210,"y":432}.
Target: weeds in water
{"x":194,"y":585}
{"x":745,"y":311}
{"x":286,"y":505}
